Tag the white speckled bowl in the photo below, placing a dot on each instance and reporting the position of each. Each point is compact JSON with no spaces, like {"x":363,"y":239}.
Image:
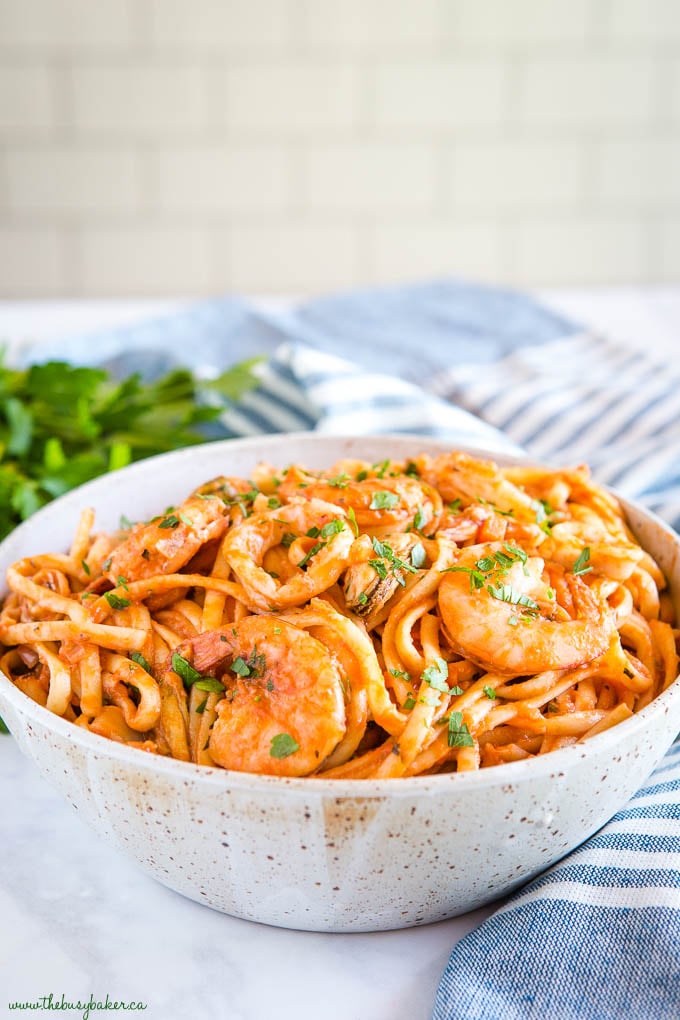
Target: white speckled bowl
{"x":324,"y":855}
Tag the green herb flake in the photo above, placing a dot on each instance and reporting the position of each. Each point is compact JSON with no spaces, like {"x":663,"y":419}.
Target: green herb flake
{"x":580,"y":566}
{"x":317,"y":547}
{"x":418,"y":556}
{"x":362,"y":598}
{"x":122,"y":582}
{"x":340,"y":481}
{"x":184,"y":670}
{"x":379,"y":567}
{"x":456,"y":690}
{"x":200,"y":709}
{"x":458,"y":733}
{"x":490,"y":693}
{"x":86,"y":567}
{"x":401,"y":673}
{"x":383,"y":501}
{"x":141,"y":661}
{"x":115,"y":601}
{"x":513,"y":621}
{"x":283,"y":745}
{"x":411,"y":470}
{"x":332,"y":528}
{"x":240,"y":666}
{"x":409,"y":703}
{"x":106,"y":565}
{"x":210,"y":684}
{"x":353,"y":521}
{"x":437,"y":675}
{"x":273,"y":502}
{"x":362,"y":476}
{"x":287,"y":539}
{"x":186,"y":520}
{"x":455,"y":505}
{"x":505,"y":593}
{"x":171,"y":521}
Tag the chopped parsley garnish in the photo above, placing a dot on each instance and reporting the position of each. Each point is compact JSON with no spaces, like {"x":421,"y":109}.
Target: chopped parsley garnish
{"x":283,"y":745}
{"x":379,"y":567}
{"x":401,"y":673}
{"x":458,"y":733}
{"x":506,"y":593}
{"x":273,"y":502}
{"x":115,"y":601}
{"x":107,"y":563}
{"x":477,"y":579}
{"x":169,"y":522}
{"x":580,"y":566}
{"x":455,"y":505}
{"x":418,"y":555}
{"x":287,"y":539}
{"x":410,"y":702}
{"x":362,"y":598}
{"x":210,"y":684}
{"x":362,"y":476}
{"x":141,"y":661}
{"x":490,"y":693}
{"x":437,"y":675}
{"x":495,"y":507}
{"x":353,"y":521}
{"x":184,"y":670}
{"x":420,"y":519}
{"x":124,"y":524}
{"x":200,"y":709}
{"x":332,"y":528}
{"x":513,"y":621}
{"x":543,"y":511}
{"x":186,"y":520}
{"x":383,"y":501}
{"x":340,"y":481}
{"x":317,"y":547}
{"x":240,"y":666}
{"x":381,"y":468}
{"x":456,"y":690}
{"x":122,"y":582}
{"x":411,"y":470}
{"x":85,"y":567}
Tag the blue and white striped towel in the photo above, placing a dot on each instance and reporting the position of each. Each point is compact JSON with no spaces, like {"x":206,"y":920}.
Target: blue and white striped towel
{"x":597,"y":936}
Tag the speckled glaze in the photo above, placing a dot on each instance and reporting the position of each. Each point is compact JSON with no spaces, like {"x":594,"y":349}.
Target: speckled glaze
{"x":323,"y":855}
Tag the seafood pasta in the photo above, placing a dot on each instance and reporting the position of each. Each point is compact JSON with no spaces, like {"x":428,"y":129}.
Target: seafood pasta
{"x":371,"y":620}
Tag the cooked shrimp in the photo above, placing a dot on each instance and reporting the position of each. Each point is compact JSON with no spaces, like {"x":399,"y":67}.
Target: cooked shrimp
{"x":319,"y":539}
{"x":168,"y":543}
{"x":283,"y":712}
{"x":459,"y":476}
{"x":381,"y":502}
{"x":503,"y":616}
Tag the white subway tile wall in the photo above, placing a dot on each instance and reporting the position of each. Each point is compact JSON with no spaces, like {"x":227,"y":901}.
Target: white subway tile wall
{"x":181,"y":147}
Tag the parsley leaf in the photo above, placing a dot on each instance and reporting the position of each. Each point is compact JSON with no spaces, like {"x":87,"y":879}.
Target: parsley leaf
{"x":383,"y":501}
{"x":283,"y":745}
{"x":141,"y":661}
{"x":115,"y":601}
{"x":458,"y":734}
{"x":580,"y":566}
{"x":437,"y":675}
{"x":183,"y":668}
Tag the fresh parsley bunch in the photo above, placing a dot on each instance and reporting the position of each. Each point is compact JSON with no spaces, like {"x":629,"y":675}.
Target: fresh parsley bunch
{"x":62,"y":425}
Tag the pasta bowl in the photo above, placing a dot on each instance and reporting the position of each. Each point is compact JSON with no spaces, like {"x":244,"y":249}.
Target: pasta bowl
{"x":327,"y":854}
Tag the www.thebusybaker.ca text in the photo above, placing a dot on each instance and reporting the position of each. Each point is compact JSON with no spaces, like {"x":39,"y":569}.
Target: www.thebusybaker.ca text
{"x":84,"y":1007}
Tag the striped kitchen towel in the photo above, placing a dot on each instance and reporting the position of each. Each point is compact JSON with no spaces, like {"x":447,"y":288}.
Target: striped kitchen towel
{"x":598,"y":935}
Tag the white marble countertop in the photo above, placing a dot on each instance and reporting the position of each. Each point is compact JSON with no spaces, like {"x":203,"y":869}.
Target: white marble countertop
{"x":78,"y":919}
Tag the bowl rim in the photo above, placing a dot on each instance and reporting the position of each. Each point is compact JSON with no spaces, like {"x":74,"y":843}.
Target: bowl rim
{"x":506,"y":775}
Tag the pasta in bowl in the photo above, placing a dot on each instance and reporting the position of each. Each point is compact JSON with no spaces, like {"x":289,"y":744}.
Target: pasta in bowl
{"x":289,"y":642}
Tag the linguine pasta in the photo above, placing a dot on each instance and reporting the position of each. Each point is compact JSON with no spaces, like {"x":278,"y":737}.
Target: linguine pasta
{"x":372,"y":620}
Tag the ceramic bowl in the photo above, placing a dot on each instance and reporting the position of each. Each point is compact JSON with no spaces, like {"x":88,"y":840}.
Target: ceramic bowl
{"x":326,"y":855}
